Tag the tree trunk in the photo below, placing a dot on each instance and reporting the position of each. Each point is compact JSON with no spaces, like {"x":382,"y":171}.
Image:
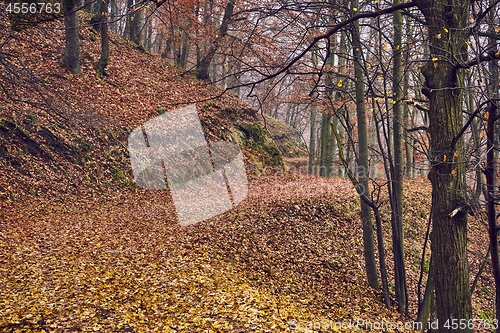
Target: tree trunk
{"x":71,"y":57}
{"x":127,"y":33}
{"x":424,"y":313}
{"x":146,"y":29}
{"x":397,"y":178}
{"x":409,"y":141}
{"x":234,"y":67}
{"x":362,"y":168}
{"x":342,"y":62}
{"x":183,"y":54}
{"x":476,"y":145}
{"x":490,"y":203}
{"x":104,"y":59}
{"x":91,"y":6}
{"x":114,"y":14}
{"x":133,"y":23}
{"x":203,"y":66}
{"x":326,"y":161}
{"x":312,"y":140}
{"x":491,"y":168}
{"x":447,"y":22}
{"x":378,"y":219}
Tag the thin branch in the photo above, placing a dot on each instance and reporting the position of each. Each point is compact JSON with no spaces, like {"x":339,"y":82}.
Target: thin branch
{"x":466,"y":126}
{"x":419,"y":128}
{"x":492,"y":55}
{"x":286,"y":69}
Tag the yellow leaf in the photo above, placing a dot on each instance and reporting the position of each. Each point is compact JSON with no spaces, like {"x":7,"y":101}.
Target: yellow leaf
{"x":445,"y":30}
{"x":453,"y":171}
{"x":393,"y":102}
{"x":355,"y":9}
{"x":468,"y":43}
{"x":339,"y":84}
{"x":444,"y":158}
{"x":434,"y":59}
{"x":455,"y":154}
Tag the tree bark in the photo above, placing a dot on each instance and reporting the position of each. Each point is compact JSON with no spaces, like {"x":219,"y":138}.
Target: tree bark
{"x":362,"y":167}
{"x":71,"y":57}
{"x":407,"y":114}
{"x":182,"y":55}
{"x":134,"y":22}
{"x":312,"y":140}
{"x":326,"y":160}
{"x":203,"y":66}
{"x":114,"y":25}
{"x":447,"y":22}
{"x":424,"y":313}
{"x":491,"y":168}
{"x":104,"y":59}
{"x":398,"y":168}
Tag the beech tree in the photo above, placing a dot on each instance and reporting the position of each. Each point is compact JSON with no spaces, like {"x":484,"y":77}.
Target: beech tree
{"x":444,"y":81}
{"x":398,"y":166}
{"x":363,"y":166}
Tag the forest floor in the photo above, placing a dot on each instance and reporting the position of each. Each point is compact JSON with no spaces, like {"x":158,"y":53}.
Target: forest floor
{"x":289,"y":256}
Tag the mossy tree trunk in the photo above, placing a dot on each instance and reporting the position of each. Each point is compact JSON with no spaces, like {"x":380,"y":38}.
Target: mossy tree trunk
{"x":447,"y":33}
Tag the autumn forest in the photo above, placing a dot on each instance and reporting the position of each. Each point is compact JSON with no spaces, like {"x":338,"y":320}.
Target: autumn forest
{"x":249,"y":166}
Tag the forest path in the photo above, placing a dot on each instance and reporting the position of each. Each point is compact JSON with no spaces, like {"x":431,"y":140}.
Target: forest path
{"x":292,"y":250}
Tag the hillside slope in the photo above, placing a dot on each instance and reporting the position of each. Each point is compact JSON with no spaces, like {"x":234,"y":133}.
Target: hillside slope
{"x":64,"y":133}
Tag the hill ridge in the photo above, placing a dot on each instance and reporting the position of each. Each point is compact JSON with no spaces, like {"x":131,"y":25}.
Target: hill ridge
{"x":77,"y":124}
